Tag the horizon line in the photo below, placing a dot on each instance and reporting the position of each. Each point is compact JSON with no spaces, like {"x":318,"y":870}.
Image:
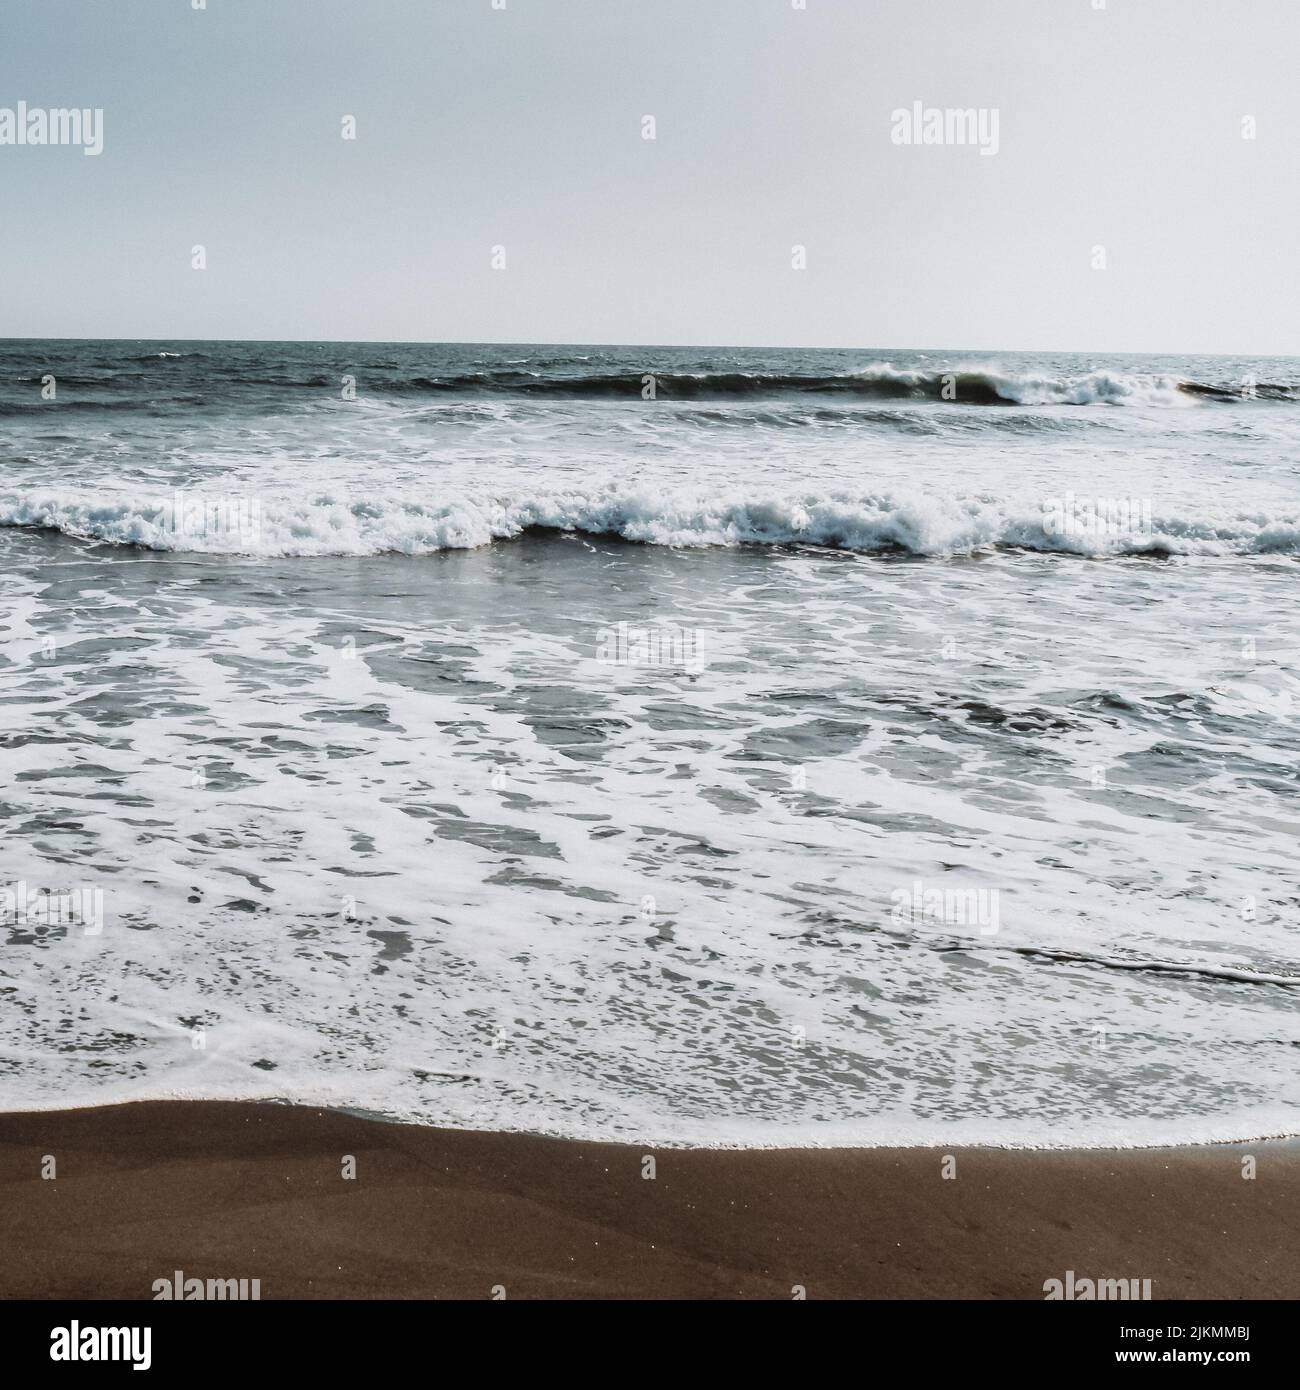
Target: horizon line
{"x":712,"y":347}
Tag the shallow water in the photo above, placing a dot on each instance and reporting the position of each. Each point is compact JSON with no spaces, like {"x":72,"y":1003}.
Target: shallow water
{"x":855,"y":807}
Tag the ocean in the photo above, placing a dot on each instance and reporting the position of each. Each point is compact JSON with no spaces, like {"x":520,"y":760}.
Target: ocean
{"x":694,"y":746}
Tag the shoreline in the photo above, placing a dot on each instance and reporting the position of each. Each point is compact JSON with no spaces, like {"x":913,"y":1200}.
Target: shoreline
{"x":838,"y":1138}
{"x":254,"y":1190}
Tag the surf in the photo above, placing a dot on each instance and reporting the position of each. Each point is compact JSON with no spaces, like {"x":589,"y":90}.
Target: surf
{"x":917,"y":523}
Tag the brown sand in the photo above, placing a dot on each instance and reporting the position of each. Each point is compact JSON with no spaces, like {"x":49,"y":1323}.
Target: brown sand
{"x":232,"y":1190}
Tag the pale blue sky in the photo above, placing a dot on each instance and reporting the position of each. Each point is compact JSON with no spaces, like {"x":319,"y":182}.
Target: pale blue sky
{"x":522,"y":127}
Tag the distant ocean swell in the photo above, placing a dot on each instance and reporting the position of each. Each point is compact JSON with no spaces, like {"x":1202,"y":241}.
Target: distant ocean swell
{"x":920,"y":525}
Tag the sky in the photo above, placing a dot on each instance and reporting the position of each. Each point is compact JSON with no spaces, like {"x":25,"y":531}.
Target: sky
{"x":522,"y":127}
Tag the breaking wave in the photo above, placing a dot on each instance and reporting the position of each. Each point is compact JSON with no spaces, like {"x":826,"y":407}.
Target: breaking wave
{"x":880,"y":381}
{"x":919,"y":524}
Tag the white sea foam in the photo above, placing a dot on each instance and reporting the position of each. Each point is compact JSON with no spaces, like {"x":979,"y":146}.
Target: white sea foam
{"x":374,"y":524}
{"x":1028,"y":388}
{"x":494,"y":804}
{"x":386,"y":831}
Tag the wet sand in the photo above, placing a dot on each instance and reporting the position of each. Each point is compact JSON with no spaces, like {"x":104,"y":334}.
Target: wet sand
{"x":228,"y":1190}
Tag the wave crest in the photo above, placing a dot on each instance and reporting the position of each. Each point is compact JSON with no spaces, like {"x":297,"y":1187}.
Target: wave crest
{"x":879,"y":381}
{"x":922,"y":524}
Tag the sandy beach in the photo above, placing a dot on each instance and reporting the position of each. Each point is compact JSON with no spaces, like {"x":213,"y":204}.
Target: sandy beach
{"x":252,"y":1191}
{"x":616,"y":625}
